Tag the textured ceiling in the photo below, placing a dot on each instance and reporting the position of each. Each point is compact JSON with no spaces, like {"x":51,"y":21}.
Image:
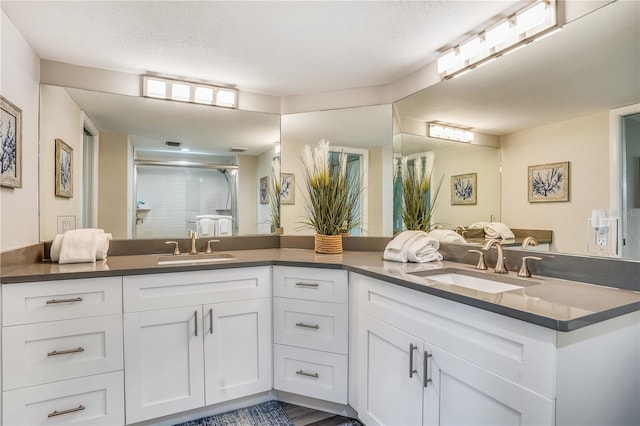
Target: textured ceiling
{"x":276,"y":48}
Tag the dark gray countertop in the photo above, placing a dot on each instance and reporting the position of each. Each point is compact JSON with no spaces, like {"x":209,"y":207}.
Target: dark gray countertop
{"x":549,"y":302}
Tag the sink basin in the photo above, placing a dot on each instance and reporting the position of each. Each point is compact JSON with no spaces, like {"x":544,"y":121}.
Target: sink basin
{"x":193,"y":258}
{"x":473,"y":283}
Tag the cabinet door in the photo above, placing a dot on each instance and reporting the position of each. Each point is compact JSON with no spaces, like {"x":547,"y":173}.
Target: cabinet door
{"x":387,"y":394}
{"x":163,"y":362}
{"x":237,"y":340}
{"x":461,"y":393}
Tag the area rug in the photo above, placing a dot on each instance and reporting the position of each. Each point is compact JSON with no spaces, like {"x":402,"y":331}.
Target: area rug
{"x":267,"y":413}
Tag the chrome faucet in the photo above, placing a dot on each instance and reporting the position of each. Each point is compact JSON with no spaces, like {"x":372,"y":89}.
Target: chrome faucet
{"x":529,"y":241}
{"x":194,"y":237}
{"x":524,"y":269}
{"x":500,"y":268}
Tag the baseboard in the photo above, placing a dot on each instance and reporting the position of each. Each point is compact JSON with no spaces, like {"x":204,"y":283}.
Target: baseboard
{"x":316,"y":404}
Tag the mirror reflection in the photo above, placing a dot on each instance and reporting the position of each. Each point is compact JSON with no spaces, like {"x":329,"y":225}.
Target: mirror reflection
{"x":148,"y":168}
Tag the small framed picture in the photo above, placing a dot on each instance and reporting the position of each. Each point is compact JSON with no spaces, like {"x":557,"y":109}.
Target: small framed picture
{"x":287,"y":189}
{"x":549,"y":182}
{"x":264,"y":188}
{"x":464,"y":189}
{"x":10,"y":144}
{"x":64,"y":169}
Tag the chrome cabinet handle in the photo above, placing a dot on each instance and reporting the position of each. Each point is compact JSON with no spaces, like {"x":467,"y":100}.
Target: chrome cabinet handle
{"x":427,"y":379}
{"x":412,"y":347}
{"x":302,"y":284}
{"x":301,"y":324}
{"x":65,"y":352}
{"x":195,"y":313}
{"x":63,"y":412}
{"x":54,"y":301}
{"x":302,"y":373}
{"x":210,"y":321}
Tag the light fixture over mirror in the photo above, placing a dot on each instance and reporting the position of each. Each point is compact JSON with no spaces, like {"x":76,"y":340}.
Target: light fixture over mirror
{"x":186,"y":91}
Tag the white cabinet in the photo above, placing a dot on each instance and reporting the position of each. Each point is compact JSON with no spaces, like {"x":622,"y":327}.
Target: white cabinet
{"x":62,"y":352}
{"x":311,"y":323}
{"x":192,"y":351}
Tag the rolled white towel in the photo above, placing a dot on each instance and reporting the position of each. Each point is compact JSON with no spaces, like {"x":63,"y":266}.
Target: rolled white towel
{"x":54,"y":252}
{"x":424,"y":249}
{"x":447,"y":236}
{"x":397,"y":248}
{"x":498,"y":230}
{"x":78,"y":246}
{"x":102,"y":245}
{"x":478,"y":225}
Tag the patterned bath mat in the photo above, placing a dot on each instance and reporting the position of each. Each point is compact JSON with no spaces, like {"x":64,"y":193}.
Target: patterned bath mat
{"x":267,"y":413}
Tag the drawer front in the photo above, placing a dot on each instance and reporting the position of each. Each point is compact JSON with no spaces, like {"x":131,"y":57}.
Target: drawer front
{"x":93,"y":400}
{"x":512,"y":349}
{"x":323,"y":285}
{"x":41,"y":353}
{"x":312,"y":325}
{"x":161,"y":291}
{"x":310,"y":373}
{"x":57,"y":300}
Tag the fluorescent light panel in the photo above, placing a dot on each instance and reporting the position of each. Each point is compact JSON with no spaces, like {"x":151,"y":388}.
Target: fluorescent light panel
{"x":185,"y":91}
{"x":508,"y":33}
{"x":451,"y":133}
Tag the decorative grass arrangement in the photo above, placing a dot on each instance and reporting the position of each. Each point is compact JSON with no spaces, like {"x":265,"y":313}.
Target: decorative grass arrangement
{"x":417,"y":209}
{"x":274,"y":188}
{"x":331,"y":195}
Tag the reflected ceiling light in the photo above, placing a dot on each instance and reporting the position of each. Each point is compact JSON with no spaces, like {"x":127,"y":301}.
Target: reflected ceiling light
{"x":448,"y":132}
{"x":185,"y":91}
{"x":532,"y":22}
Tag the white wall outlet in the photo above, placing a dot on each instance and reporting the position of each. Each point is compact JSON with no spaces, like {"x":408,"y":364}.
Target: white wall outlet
{"x":66,"y":223}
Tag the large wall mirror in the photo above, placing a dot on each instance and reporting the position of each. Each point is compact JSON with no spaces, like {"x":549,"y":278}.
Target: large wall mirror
{"x":549,"y":102}
{"x":148,"y":168}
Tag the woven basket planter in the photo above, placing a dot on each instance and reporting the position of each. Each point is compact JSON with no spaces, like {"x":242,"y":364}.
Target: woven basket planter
{"x":328,"y":244}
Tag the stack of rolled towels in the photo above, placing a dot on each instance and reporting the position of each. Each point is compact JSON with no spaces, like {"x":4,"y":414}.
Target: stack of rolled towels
{"x":413,"y":246}
{"x":494,"y":230}
{"x":80,"y":245}
{"x":447,"y":236}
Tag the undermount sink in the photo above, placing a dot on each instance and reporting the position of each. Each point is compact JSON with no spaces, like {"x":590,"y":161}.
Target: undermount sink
{"x":193,"y":258}
{"x":471,"y":282}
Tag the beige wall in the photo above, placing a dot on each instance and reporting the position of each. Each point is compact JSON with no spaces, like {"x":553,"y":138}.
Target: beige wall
{"x":60,"y":118}
{"x":114,"y":184}
{"x":584,"y":142}
{"x":263,"y":169}
{"x":20,"y":75}
{"x":291,"y":215}
{"x":380,"y":191}
{"x":247,"y":177}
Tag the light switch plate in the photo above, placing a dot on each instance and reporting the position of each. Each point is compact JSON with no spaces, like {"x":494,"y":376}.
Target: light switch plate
{"x":66,"y":223}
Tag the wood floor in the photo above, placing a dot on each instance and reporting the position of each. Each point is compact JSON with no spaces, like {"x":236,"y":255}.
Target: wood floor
{"x":302,"y":416}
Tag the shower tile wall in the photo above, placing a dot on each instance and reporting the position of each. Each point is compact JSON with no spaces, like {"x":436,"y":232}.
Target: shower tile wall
{"x":174,"y":196}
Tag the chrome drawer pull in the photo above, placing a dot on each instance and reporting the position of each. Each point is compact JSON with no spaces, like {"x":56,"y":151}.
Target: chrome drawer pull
{"x":301,"y":324}
{"x":63,"y":412}
{"x":302,"y":373}
{"x":211,"y":321}
{"x":54,"y":301}
{"x":301,"y":284}
{"x":412,"y":371}
{"x":195,"y":313}
{"x":68,"y":351}
{"x":427,"y":379}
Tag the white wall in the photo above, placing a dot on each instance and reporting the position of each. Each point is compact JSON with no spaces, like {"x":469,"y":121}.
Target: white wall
{"x":19,"y":78}
{"x":60,"y":118}
{"x":584,"y":142}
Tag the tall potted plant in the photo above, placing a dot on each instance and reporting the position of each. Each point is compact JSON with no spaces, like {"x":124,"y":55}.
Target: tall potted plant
{"x":417,"y":205}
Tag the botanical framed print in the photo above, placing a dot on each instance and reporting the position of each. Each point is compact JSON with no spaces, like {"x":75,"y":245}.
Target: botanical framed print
{"x":264,"y":188}
{"x":287,"y":188}
{"x":10,"y":144}
{"x":64,"y":169}
{"x":464,"y":189}
{"x":549,"y":182}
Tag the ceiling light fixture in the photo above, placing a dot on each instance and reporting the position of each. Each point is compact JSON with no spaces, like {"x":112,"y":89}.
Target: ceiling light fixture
{"x":186,"y":91}
{"x":451,"y":133}
{"x":533,"y":22}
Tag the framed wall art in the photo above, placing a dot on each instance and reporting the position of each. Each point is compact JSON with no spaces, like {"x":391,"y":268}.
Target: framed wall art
{"x":264,"y":189}
{"x":64,"y":169}
{"x":464,"y":189}
{"x":287,"y":189}
{"x":549,"y":182}
{"x":10,"y":144}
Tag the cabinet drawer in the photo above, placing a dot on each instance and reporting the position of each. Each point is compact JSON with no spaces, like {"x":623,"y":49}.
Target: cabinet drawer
{"x":161,"y":291}
{"x":93,"y":400}
{"x":310,"y":373}
{"x":313,"y":325}
{"x":324,"y":285}
{"x":56,"y":300}
{"x":40,"y":353}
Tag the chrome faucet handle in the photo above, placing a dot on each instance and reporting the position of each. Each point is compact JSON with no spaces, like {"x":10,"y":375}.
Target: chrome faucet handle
{"x":176,"y":250}
{"x":529,"y":241}
{"x":524,"y":268}
{"x":209,"y":250}
{"x":481,"y":264}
